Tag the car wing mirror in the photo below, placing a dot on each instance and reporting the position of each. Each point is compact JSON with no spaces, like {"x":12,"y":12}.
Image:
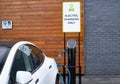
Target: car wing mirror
{"x":23,"y":77}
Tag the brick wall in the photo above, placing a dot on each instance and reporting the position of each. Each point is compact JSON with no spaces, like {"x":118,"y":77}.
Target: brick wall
{"x":102,"y":37}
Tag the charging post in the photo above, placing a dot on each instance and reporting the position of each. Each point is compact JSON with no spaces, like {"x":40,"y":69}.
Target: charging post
{"x":71,"y":44}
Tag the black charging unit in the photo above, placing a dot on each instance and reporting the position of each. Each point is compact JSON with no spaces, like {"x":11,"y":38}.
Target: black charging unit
{"x":71,"y":44}
{"x":70,"y":60}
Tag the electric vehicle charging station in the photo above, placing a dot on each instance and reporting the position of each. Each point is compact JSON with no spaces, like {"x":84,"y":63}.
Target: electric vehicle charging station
{"x":71,"y":44}
{"x":70,"y":63}
{"x":71,"y":24}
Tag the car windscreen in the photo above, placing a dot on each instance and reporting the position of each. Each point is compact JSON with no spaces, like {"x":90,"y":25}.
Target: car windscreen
{"x":3,"y":55}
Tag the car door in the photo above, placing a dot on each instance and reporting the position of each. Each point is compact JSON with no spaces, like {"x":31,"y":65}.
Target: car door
{"x":28,"y":58}
{"x":18,"y":65}
{"x":36,"y":59}
{"x":42,"y":68}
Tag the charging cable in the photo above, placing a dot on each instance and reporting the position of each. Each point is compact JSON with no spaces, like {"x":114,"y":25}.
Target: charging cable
{"x":61,"y":77}
{"x":66,"y":67}
{"x":69,"y":75}
{"x":59,"y":55}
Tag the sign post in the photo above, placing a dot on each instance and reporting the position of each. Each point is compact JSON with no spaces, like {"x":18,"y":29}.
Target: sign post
{"x":72,"y":24}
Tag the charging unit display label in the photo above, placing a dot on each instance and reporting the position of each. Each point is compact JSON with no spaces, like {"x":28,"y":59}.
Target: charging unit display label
{"x":71,"y":17}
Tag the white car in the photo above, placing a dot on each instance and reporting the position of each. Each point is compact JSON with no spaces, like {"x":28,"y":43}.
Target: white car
{"x":24,"y":63}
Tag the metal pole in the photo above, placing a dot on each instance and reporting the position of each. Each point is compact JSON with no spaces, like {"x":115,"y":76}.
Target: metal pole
{"x":79,"y":58}
{"x":64,"y":71}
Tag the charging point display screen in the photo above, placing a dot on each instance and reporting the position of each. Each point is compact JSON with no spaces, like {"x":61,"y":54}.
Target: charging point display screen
{"x":71,"y":43}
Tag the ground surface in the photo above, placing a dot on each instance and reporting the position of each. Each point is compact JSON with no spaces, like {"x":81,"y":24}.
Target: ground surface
{"x":98,"y":80}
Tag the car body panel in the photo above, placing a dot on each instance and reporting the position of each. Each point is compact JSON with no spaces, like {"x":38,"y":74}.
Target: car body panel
{"x":45,"y":74}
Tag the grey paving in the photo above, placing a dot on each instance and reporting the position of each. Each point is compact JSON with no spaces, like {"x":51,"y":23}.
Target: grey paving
{"x":98,"y":80}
